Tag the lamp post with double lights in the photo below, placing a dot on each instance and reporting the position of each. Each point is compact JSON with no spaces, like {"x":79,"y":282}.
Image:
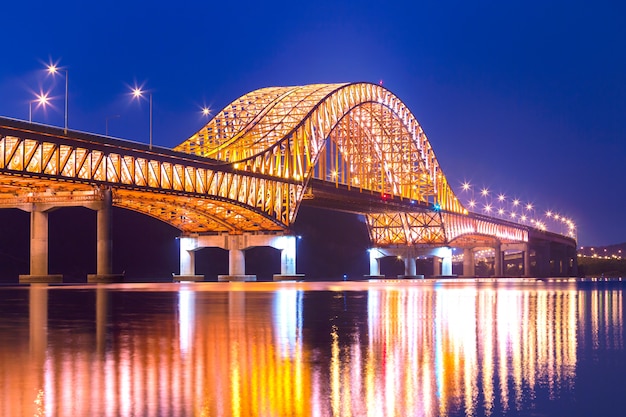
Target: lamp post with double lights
{"x":41,"y":100}
{"x":138,"y":93}
{"x":53,"y":70}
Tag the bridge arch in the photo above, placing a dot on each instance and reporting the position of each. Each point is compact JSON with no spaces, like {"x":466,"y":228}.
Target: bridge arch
{"x":356,"y":134}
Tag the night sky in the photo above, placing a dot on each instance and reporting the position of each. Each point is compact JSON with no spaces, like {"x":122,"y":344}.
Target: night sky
{"x":526,"y":98}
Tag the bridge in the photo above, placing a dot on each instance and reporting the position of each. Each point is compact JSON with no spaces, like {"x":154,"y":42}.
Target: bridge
{"x":240,"y":180}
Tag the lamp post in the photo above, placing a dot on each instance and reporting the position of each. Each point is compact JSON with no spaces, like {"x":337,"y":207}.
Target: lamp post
{"x":138,"y":93}
{"x":41,"y":100}
{"x":106,"y":123}
{"x":53,"y":69}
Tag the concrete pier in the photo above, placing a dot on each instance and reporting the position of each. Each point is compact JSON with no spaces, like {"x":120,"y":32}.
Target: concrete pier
{"x":104,"y":243}
{"x":442,"y":260}
{"x":236,"y":244}
{"x":469,"y":263}
{"x":39,"y":250}
{"x":104,"y":264}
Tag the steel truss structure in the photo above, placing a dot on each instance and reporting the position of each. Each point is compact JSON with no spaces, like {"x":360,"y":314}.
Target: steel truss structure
{"x":250,"y":167}
{"x":192,"y":194}
{"x":358,"y":135}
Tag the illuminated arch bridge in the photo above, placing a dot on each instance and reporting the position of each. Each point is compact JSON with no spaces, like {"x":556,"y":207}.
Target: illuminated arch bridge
{"x":353,"y":147}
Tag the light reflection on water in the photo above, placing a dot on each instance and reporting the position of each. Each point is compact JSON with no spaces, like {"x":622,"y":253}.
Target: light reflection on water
{"x":387,"y":348}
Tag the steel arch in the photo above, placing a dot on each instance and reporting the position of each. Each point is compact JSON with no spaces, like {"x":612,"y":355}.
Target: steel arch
{"x":356,"y":134}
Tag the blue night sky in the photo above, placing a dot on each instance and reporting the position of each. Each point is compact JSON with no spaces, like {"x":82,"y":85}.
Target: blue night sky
{"x":526,"y":98}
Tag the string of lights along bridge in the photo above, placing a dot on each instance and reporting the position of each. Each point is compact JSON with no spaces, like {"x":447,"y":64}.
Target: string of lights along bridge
{"x":503,"y":206}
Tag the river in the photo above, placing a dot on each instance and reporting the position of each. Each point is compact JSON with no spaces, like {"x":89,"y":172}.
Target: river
{"x":513,"y":347}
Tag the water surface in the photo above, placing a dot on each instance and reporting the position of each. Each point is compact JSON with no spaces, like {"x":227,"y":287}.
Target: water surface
{"x":386,"y":348}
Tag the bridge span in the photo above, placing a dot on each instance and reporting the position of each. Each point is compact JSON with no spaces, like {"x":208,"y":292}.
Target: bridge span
{"x":238,"y":183}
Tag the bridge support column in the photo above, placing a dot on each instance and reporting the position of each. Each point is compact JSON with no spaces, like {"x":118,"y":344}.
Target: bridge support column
{"x":288,"y":256}
{"x":469,"y":265}
{"x":409,"y":266}
{"x":38,"y":242}
{"x":235,"y":244}
{"x":39,"y":250}
{"x":542,"y":259}
{"x":436,"y":266}
{"x":497,"y":260}
{"x":374,"y":254}
{"x":446,"y":262}
{"x":236,"y":262}
{"x":104,"y":242}
{"x":187,"y":255}
{"x":526,"y":260}
{"x":188,"y":246}
{"x":287,"y":246}
{"x":442,"y":262}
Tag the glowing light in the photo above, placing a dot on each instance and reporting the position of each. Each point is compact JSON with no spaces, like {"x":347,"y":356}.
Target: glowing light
{"x":206,"y":111}
{"x":52,"y":69}
{"x":466,"y":186}
{"x":484,"y":192}
{"x":472,"y":203}
{"x":501,"y":197}
{"x":42,"y":99}
{"x":516,"y":202}
{"x":487,"y":208}
{"x":500,"y":211}
{"x":549,"y":213}
{"x":137,"y":92}
{"x":529,"y":206}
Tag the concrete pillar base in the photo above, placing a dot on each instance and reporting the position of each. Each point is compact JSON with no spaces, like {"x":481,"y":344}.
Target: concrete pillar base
{"x":105,"y":278}
{"x":236,"y":278}
{"x":374,"y":276}
{"x":37,"y":279}
{"x":183,"y":277}
{"x":288,"y":277}
{"x":411,"y":276}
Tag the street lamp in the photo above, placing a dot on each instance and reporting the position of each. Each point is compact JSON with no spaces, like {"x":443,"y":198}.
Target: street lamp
{"x":206,"y":111}
{"x":138,"y":93}
{"x":106,"y":123}
{"x":53,"y":69}
{"x":41,"y":100}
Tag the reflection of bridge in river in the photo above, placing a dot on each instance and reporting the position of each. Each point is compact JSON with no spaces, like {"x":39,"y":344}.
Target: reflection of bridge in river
{"x":226,"y":349}
{"x":239,"y":181}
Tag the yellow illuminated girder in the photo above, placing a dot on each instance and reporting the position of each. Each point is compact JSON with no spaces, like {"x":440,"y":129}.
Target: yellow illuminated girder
{"x":360,"y":135}
{"x":459,"y":226}
{"x":406,"y":228}
{"x":438,"y":228}
{"x":194,"y":196}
